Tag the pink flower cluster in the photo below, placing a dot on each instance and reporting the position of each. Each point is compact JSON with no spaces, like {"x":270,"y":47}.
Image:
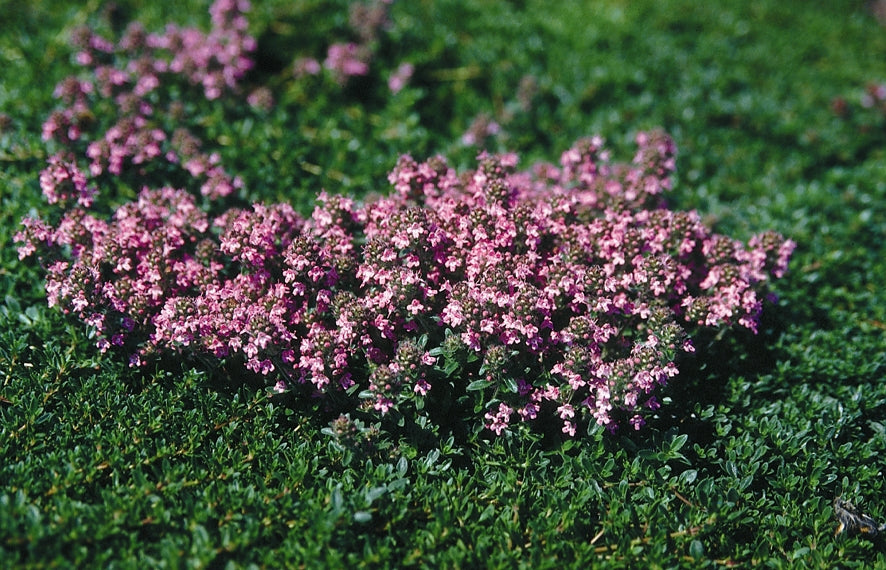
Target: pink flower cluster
{"x":62,"y":182}
{"x":351,"y":59}
{"x":875,"y":96}
{"x":346,"y":60}
{"x":562,"y":291}
{"x":873,"y":99}
{"x":400,"y":77}
{"x":480,"y":129}
{"x":569,"y":288}
{"x":214,"y":61}
{"x":130,"y":74}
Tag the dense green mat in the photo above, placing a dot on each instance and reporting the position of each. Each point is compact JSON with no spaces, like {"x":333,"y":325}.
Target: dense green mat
{"x":100,"y":467}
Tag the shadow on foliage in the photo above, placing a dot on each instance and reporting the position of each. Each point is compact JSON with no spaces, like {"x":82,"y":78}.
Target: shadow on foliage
{"x":704,"y":382}
{"x":705,"y":376}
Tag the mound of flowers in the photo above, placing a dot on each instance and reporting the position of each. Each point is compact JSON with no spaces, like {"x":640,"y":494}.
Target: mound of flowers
{"x":559,"y":292}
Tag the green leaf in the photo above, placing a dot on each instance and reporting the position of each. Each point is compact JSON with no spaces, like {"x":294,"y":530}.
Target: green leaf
{"x":696,"y":549}
{"x":688,"y":477}
{"x":510,"y":385}
{"x":477,"y":385}
{"x":13,"y":304}
{"x":450,"y":367}
{"x":678,"y":443}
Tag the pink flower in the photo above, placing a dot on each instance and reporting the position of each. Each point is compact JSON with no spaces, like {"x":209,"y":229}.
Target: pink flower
{"x":568,"y":428}
{"x":306,"y":66}
{"x":481,"y":128}
{"x":400,"y":77}
{"x":566,"y":411}
{"x":499,"y":420}
{"x":345,"y":60}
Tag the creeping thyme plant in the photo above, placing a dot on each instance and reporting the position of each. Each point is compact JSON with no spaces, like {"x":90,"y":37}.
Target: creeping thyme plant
{"x":561,"y":293}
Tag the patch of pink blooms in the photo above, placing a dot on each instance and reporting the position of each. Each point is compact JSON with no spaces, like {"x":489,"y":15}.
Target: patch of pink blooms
{"x":562,"y":291}
{"x":572,"y":282}
{"x":345,"y":60}
{"x":131,"y":72}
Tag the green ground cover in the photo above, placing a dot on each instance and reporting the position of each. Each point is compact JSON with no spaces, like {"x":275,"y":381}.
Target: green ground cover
{"x":103,"y":467}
